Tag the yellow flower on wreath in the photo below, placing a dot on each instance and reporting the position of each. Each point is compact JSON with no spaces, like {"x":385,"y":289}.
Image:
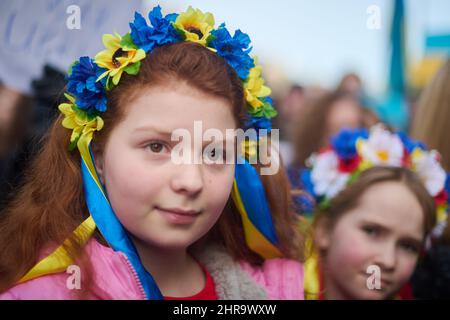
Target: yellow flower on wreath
{"x":195,"y":25}
{"x":254,"y":87}
{"x":117,"y":58}
{"x":79,"y":121}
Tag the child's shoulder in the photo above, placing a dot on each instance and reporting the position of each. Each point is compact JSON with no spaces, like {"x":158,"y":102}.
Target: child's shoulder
{"x":112,"y":278}
{"x":282,"y":278}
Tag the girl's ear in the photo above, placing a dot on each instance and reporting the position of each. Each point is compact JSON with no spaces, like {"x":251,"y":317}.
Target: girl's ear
{"x":99,"y":165}
{"x":322,"y":233}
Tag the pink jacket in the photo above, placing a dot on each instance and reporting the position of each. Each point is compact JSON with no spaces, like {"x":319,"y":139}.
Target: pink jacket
{"x":115,"y":278}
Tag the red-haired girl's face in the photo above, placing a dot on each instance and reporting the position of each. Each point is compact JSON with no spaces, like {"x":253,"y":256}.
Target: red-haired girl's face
{"x":380,"y":238}
{"x":162,"y":203}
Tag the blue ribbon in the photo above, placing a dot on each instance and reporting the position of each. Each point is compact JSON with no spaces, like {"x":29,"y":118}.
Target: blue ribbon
{"x":254,"y":199}
{"x":113,"y":231}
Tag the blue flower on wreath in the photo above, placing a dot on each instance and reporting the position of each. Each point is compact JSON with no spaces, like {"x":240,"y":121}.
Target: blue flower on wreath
{"x":233,"y":49}
{"x":344,"y":143}
{"x":259,"y":123}
{"x":82,"y":83}
{"x":411,"y":144}
{"x":160,"y":32}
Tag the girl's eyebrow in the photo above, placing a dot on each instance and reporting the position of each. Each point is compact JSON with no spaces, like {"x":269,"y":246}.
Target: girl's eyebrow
{"x":414,"y":240}
{"x":165,"y":132}
{"x":376,"y":223}
{"x":153,"y":129}
{"x":168,"y":134}
{"x":385,"y":228}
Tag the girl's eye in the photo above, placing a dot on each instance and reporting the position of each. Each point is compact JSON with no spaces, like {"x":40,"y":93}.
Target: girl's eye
{"x":372,"y":231}
{"x":216,"y":154}
{"x":156,"y":147}
{"x":410,"y":247}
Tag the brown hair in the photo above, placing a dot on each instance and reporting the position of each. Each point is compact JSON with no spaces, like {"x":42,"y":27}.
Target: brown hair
{"x":349,"y":198}
{"x":312,"y":126}
{"x":51,"y":203}
{"x":432,"y":117}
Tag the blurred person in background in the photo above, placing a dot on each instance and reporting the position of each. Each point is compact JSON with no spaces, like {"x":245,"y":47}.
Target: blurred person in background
{"x":291,"y":108}
{"x":432,"y":118}
{"x":431,"y":125}
{"x":38,"y":41}
{"x":14,"y":119}
{"x":325,"y":115}
{"x":24,"y":121}
{"x":352,"y":84}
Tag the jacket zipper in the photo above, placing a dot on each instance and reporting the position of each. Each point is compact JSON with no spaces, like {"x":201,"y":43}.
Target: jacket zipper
{"x":135,"y":276}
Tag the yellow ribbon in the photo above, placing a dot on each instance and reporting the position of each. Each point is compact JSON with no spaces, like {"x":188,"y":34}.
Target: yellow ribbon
{"x":59,"y":259}
{"x":255,"y":240}
{"x":83,"y":130}
{"x":312,"y":281}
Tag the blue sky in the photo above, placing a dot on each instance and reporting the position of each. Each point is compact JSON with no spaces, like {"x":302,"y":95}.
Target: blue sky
{"x":314,"y":42}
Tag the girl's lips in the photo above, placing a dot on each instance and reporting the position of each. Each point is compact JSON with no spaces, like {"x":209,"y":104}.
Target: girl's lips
{"x":178,"y":215}
{"x":385,"y":283}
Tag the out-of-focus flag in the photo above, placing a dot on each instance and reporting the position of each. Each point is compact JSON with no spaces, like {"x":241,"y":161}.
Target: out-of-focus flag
{"x":394,"y":109}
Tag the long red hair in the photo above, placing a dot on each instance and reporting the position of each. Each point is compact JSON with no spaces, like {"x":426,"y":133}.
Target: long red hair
{"x":51,"y":204}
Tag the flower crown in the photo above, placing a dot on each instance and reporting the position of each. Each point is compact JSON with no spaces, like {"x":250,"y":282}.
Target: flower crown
{"x":90,"y":79}
{"x":354,"y":151}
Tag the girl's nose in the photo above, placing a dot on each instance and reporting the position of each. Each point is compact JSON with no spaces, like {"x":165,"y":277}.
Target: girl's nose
{"x":188,"y":179}
{"x":387,"y":258}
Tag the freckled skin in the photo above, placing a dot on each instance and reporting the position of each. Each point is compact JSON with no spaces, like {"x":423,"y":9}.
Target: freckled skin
{"x":138,"y":178}
{"x":356,"y":241}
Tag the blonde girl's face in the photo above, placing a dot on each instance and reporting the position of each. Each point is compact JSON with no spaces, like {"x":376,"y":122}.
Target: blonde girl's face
{"x":160,"y":202}
{"x":384,"y":232}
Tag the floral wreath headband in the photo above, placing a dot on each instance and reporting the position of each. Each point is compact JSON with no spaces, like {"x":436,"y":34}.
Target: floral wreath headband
{"x":88,"y":82}
{"x":90,"y":79}
{"x":353,"y":151}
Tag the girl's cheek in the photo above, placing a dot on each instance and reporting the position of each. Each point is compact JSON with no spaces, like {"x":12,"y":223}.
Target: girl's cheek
{"x":218,"y":188}
{"x":213,"y":195}
{"x":406,"y":268}
{"x":135,"y":183}
{"x":351,"y":249}
{"x":144,"y":173}
{"x":134,"y":189}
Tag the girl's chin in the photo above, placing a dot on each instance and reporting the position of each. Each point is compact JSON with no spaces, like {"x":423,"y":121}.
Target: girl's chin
{"x":371,"y":294}
{"x":360,"y":291}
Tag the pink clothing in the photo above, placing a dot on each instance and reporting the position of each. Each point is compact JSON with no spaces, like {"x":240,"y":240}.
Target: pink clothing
{"x":115,"y":278}
{"x":282,"y":278}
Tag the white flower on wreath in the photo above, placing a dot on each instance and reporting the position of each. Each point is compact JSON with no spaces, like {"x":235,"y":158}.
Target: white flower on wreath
{"x":325,"y":175}
{"x":382,"y":148}
{"x":427,"y":167}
